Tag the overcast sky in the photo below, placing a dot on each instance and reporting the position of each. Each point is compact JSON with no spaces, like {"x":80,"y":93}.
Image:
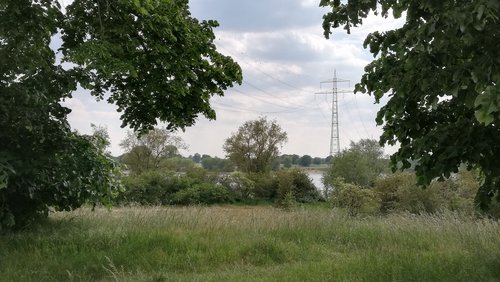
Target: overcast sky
{"x":280,"y":46}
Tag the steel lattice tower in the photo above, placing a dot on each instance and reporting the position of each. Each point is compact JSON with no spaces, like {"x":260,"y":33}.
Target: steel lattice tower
{"x":334,"y":130}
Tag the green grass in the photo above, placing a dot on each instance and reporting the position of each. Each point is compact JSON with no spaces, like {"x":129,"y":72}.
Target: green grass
{"x":250,"y":244}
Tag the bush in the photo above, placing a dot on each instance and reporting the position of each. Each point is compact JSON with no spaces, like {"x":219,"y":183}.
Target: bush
{"x":287,"y":201}
{"x":153,"y":188}
{"x":355,"y":199}
{"x":204,"y":193}
{"x":265,"y":186}
{"x":146,"y":189}
{"x":494,"y":207}
{"x":389,"y":188}
{"x":285,"y":190}
{"x":361,"y":164}
{"x":399,"y":192}
{"x":298,"y":183}
{"x":197,"y":173}
{"x":241,"y":186}
{"x":467,"y":187}
{"x":216,"y":164}
{"x":178,"y":164}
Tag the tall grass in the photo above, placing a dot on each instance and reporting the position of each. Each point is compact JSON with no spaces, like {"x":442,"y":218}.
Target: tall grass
{"x":251,"y":244}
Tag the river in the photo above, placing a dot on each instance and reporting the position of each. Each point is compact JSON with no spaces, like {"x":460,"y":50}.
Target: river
{"x":316,"y":176}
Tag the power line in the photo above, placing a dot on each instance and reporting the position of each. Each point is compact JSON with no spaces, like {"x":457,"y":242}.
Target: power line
{"x":347,"y":107}
{"x":269,"y":75}
{"x":260,"y":99}
{"x":235,"y":109}
{"x":269,"y":94}
{"x":359,"y":113}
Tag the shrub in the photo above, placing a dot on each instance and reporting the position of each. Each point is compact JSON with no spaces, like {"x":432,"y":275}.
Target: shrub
{"x":298,"y":183}
{"x":303,"y":188}
{"x":241,"y":186}
{"x":388,"y":189}
{"x":399,"y":192}
{"x":153,"y":188}
{"x":494,"y":207}
{"x":204,"y":193}
{"x":361,"y":164}
{"x":419,"y":200}
{"x":287,"y":201}
{"x":285,"y":190}
{"x":468,"y":184}
{"x":217,"y":164}
{"x":457,"y":193}
{"x":197,"y":173}
{"x":265,"y":186}
{"x":146,"y":189}
{"x":355,"y":199}
{"x":178,"y":164}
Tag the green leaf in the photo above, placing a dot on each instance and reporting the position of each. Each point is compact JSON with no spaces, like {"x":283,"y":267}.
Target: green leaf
{"x":484,"y":117}
{"x":418,"y":63}
{"x":480,"y":11}
{"x":474,"y":77}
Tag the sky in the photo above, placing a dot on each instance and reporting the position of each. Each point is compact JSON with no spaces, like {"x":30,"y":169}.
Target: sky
{"x":280,"y":47}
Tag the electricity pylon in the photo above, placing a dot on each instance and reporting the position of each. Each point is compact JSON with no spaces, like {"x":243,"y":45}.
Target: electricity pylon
{"x":334,"y":132}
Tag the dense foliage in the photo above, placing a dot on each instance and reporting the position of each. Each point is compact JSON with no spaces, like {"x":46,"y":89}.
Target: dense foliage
{"x":150,"y":58}
{"x":153,"y":51}
{"x":216,"y":164}
{"x":356,"y":200}
{"x":360,"y":164}
{"x":441,"y":72}
{"x":255,"y":145}
{"x":150,"y":150}
{"x":399,"y":193}
{"x":295,"y":186}
{"x":167,"y":188}
{"x":198,"y":186}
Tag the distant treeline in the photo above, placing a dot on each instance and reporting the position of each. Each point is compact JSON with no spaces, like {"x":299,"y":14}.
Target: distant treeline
{"x":283,"y":161}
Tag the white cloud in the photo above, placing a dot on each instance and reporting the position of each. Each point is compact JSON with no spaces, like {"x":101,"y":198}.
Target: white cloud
{"x":309,"y":3}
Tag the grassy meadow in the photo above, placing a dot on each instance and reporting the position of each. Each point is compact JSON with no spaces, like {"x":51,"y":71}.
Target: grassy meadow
{"x":260,"y":243}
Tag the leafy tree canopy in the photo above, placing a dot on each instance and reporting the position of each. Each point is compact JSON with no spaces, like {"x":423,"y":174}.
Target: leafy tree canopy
{"x":147,"y":151}
{"x":360,"y":164}
{"x":441,"y":72}
{"x":255,"y":145}
{"x":305,"y":160}
{"x":150,"y":58}
{"x":217,"y":164}
{"x":317,"y":160}
{"x":157,"y":61}
{"x":196,"y":158}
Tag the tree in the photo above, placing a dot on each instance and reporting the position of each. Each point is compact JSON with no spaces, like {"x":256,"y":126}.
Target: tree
{"x":255,"y":145}
{"x":153,"y":51}
{"x":287,"y":161}
{"x":100,"y":137}
{"x":196,"y":158}
{"x":305,"y":160}
{"x":178,"y":164}
{"x":217,"y":164}
{"x":147,"y":151}
{"x":441,"y":71}
{"x":317,"y":161}
{"x":360,"y":165}
{"x":328,"y":160}
{"x":150,"y":58}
